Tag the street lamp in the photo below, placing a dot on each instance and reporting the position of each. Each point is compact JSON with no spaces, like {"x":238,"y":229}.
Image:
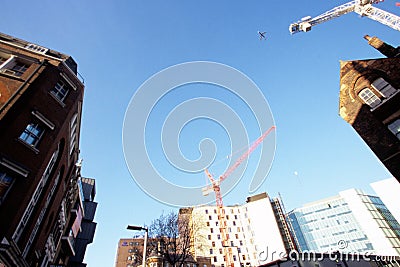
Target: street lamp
{"x":140,"y":228}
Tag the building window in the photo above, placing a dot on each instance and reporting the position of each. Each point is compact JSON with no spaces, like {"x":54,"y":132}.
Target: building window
{"x":215,"y":259}
{"x":394,"y":127}
{"x":206,"y":211}
{"x":383,"y":87}
{"x":220,"y":251}
{"x":212,"y":230}
{"x":19,"y":68}
{"x":219,"y":236}
{"x":369,"y":98}
{"x":211,"y":251}
{"x":208,"y":223}
{"x":13,"y":65}
{"x":60,"y":90}
{"x":209,"y":237}
{"x":37,"y":48}
{"x":234,"y":257}
{"x":213,"y":244}
{"x":209,"y":217}
{"x":6,"y":182}
{"x":32,"y":134}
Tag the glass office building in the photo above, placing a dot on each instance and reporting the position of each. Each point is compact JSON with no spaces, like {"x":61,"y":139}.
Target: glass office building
{"x":351,"y":222}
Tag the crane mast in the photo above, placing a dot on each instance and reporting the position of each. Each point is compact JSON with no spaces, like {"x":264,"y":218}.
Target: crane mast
{"x":215,"y":186}
{"x":361,"y":7}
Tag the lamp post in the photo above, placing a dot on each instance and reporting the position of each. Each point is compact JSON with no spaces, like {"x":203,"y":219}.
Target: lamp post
{"x":140,"y":228}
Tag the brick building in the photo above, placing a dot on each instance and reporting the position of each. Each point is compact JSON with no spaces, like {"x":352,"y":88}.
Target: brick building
{"x":370,"y":102}
{"x":130,"y":254}
{"x":40,"y":183}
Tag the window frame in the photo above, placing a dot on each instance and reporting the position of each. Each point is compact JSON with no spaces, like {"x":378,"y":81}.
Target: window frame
{"x":368,"y":97}
{"x":392,"y":128}
{"x":60,"y":90}
{"x":15,"y":66}
{"x":29,"y":133}
{"x":3,"y":175}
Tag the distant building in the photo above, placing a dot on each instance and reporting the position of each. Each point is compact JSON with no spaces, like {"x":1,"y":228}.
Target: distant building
{"x":254,"y":230}
{"x":40,"y":120}
{"x":130,"y":254}
{"x":388,"y":191}
{"x":370,"y":102}
{"x":352,"y":222}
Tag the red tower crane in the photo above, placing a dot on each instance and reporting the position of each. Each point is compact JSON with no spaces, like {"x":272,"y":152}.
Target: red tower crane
{"x":215,"y":186}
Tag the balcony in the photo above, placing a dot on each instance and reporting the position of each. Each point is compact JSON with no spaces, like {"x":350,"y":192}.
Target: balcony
{"x":67,"y":243}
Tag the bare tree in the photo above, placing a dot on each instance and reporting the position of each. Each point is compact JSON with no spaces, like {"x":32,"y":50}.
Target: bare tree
{"x":174,"y":234}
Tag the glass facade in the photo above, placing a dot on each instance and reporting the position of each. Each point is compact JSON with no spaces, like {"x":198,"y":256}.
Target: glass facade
{"x":352,"y":222}
{"x":328,"y":226}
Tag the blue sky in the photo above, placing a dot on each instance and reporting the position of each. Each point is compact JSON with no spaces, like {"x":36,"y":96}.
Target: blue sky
{"x":118,"y":45}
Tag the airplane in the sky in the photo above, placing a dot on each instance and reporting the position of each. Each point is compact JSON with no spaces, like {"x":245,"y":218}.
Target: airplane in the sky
{"x":262,"y":35}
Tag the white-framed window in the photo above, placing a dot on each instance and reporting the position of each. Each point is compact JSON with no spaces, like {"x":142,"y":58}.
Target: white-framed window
{"x":14,"y":66}
{"x":369,"y":97}
{"x":37,"y":48}
{"x":32,"y":134}
{"x":394,"y":127}
{"x":383,"y":87}
{"x":6,"y":181}
{"x":60,"y":90}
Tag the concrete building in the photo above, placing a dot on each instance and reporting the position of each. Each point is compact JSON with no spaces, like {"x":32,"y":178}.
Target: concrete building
{"x":254,"y":230}
{"x":388,"y":191}
{"x":40,"y":115}
{"x":351,"y":222}
{"x":370,"y":102}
